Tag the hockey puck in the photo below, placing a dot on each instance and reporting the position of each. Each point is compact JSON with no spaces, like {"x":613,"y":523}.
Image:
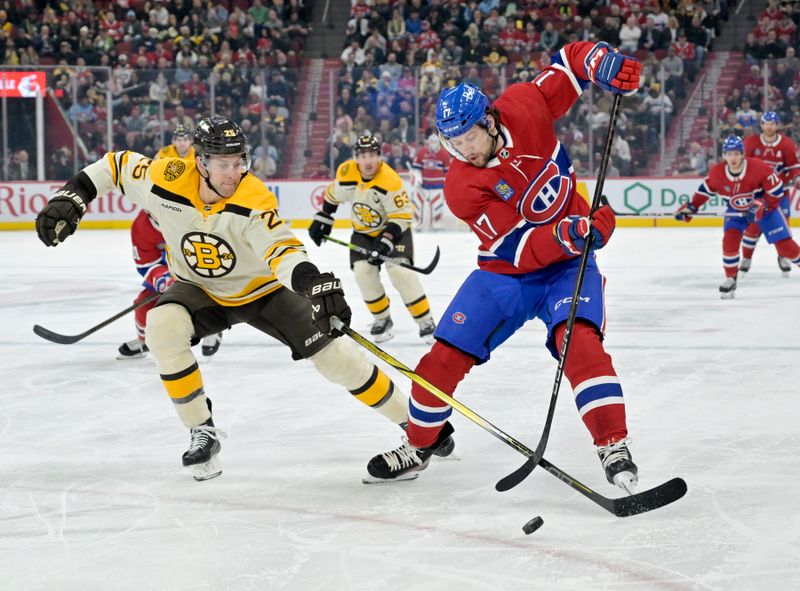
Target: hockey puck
{"x":533,"y":525}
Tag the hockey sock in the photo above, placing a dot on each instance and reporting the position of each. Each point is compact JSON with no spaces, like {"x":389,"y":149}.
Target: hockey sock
{"x":140,"y":313}
{"x":731,"y":240}
{"x":598,"y":393}
{"x":789,"y":249}
{"x":751,"y":235}
{"x":444,"y":367}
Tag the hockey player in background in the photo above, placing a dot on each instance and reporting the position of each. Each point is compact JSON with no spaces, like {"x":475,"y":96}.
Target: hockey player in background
{"x":430,"y":165}
{"x":780,"y":152}
{"x":149,"y":255}
{"x":752,"y":191}
{"x":381,"y":215}
{"x":513,"y":183}
{"x":234,"y":260}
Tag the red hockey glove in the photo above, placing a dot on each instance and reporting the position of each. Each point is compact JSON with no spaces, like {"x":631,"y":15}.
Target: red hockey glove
{"x":573,"y":231}
{"x":758,"y":210}
{"x":163,"y":283}
{"x":685,"y":212}
{"x":613,"y":71}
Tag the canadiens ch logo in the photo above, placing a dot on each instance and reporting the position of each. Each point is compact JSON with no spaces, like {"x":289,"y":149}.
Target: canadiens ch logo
{"x":174,"y":170}
{"x":459,"y":317}
{"x":207,"y":255}
{"x":505,"y":190}
{"x":546,"y":195}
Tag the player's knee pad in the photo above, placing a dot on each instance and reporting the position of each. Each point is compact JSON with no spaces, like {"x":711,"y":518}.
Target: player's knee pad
{"x":341,"y":363}
{"x":368,"y":280}
{"x":168,"y":336}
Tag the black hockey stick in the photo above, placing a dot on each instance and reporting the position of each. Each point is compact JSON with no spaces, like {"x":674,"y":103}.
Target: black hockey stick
{"x":64,"y":339}
{"x":523,"y":471}
{"x":393,"y":261}
{"x":654,"y":498}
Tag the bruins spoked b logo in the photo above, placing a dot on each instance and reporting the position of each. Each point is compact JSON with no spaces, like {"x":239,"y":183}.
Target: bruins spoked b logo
{"x":207,"y":255}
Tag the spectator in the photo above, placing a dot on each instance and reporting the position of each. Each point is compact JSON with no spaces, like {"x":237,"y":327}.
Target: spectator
{"x":746,"y":116}
{"x":61,"y":166}
{"x":698,"y":159}
{"x":20,"y":169}
{"x":81,"y":111}
{"x":550,"y":39}
{"x":629,"y":36}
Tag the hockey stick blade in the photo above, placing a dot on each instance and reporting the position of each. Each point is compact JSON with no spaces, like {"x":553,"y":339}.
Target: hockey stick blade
{"x":400,"y":263}
{"x":54,"y":337}
{"x":642,"y":502}
{"x":508,"y":482}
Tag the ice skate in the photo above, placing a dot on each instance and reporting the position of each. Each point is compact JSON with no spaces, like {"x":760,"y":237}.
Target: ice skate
{"x":135,"y":349}
{"x":784,"y":265}
{"x":618,"y":464}
{"x":382,"y":329}
{"x":405,"y":462}
{"x":444,"y":450}
{"x":202,"y":456}
{"x":426,"y":330}
{"x":727,"y":290}
{"x":211,"y":344}
{"x":744,"y":266}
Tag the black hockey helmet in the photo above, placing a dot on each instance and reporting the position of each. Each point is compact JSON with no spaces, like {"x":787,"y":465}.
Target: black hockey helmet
{"x":219,"y":134}
{"x":366,"y":143}
{"x":180,"y":132}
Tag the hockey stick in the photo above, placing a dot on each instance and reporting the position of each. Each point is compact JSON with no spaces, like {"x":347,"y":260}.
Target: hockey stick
{"x":393,"y":261}
{"x":523,"y":471}
{"x":654,"y":498}
{"x":63,"y":339}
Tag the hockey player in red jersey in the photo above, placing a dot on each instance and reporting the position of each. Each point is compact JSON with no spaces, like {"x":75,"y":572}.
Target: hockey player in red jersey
{"x":513,"y":183}
{"x":780,"y":152}
{"x":430,"y":163}
{"x":752,"y":190}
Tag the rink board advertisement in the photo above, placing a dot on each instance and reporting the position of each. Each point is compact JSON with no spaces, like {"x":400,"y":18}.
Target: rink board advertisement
{"x":638,"y":198}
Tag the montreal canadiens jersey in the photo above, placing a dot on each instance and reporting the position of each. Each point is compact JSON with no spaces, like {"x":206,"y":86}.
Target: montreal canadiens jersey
{"x":237,"y":250}
{"x":780,"y":153}
{"x":149,"y":249}
{"x":757,"y":180}
{"x":513,"y":204}
{"x":374,"y":203}
{"x":171,"y":152}
{"x":432,"y":166}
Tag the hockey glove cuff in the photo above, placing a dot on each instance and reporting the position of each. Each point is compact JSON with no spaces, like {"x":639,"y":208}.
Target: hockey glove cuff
{"x":613,"y":71}
{"x":60,"y":217}
{"x":327,"y":300}
{"x":685,"y":212}
{"x":573,"y":231}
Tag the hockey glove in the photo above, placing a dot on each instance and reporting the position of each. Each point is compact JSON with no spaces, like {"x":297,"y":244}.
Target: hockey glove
{"x":573,"y":231}
{"x":613,"y":71}
{"x":327,"y":300}
{"x":163,"y":283}
{"x":757,"y":211}
{"x":320,"y":227}
{"x":382,"y":246}
{"x":59,"y":218}
{"x":685,"y":212}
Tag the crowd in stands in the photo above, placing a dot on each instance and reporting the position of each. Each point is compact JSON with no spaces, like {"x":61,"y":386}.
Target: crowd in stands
{"x":164,"y":57}
{"x":399,"y":55}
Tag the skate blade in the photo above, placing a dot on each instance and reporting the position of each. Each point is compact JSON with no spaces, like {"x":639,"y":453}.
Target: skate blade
{"x":383,"y":337}
{"x":447,"y":458}
{"x":727,"y":296}
{"x":211,"y":469}
{"x":372,"y":480}
{"x":626,"y":481}
{"x":131,"y":357}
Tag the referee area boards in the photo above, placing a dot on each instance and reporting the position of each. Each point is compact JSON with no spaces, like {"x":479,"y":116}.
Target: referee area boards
{"x":636,"y":199}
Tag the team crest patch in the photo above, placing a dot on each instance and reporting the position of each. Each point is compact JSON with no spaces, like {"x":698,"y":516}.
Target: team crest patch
{"x":504,"y":190}
{"x":174,"y":170}
{"x":345,"y":168}
{"x":459,"y":317}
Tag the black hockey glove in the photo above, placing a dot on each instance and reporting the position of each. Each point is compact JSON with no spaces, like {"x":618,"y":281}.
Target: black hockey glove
{"x":382,"y":246}
{"x":60,"y":217}
{"x":327,"y":300}
{"x":320,"y":227}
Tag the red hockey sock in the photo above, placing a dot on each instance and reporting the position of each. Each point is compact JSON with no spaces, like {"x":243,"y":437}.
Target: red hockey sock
{"x":596,"y":387}
{"x":789,"y":249}
{"x":731,"y":241}
{"x":444,"y":367}
{"x":140,"y":314}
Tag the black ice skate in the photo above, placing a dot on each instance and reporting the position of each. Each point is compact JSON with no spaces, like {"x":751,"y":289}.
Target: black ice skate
{"x":201,"y":457}
{"x":744,"y":266}
{"x":382,"y":329}
{"x":134,"y":349}
{"x":444,"y":450}
{"x":426,"y":330}
{"x":211,"y":344}
{"x":784,"y":265}
{"x":727,"y":290}
{"x":405,"y":462}
{"x":618,"y":464}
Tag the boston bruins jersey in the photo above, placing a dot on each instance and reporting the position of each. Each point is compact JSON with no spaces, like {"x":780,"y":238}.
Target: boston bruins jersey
{"x":236,"y":250}
{"x":376,"y":202}
{"x":171,"y":152}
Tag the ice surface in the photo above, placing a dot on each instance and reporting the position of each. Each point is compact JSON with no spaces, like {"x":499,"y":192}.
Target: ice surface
{"x":93,"y":495}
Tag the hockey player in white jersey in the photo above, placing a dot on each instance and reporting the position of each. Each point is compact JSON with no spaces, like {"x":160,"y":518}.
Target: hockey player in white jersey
{"x":234,"y":260}
{"x":381,"y":214}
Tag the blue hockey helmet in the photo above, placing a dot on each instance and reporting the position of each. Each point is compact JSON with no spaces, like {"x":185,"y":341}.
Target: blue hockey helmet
{"x":459,"y":109}
{"x":770,"y":117}
{"x":733,"y":143}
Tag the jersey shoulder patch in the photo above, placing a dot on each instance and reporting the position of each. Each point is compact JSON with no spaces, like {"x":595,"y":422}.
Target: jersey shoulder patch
{"x":348,"y":173}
